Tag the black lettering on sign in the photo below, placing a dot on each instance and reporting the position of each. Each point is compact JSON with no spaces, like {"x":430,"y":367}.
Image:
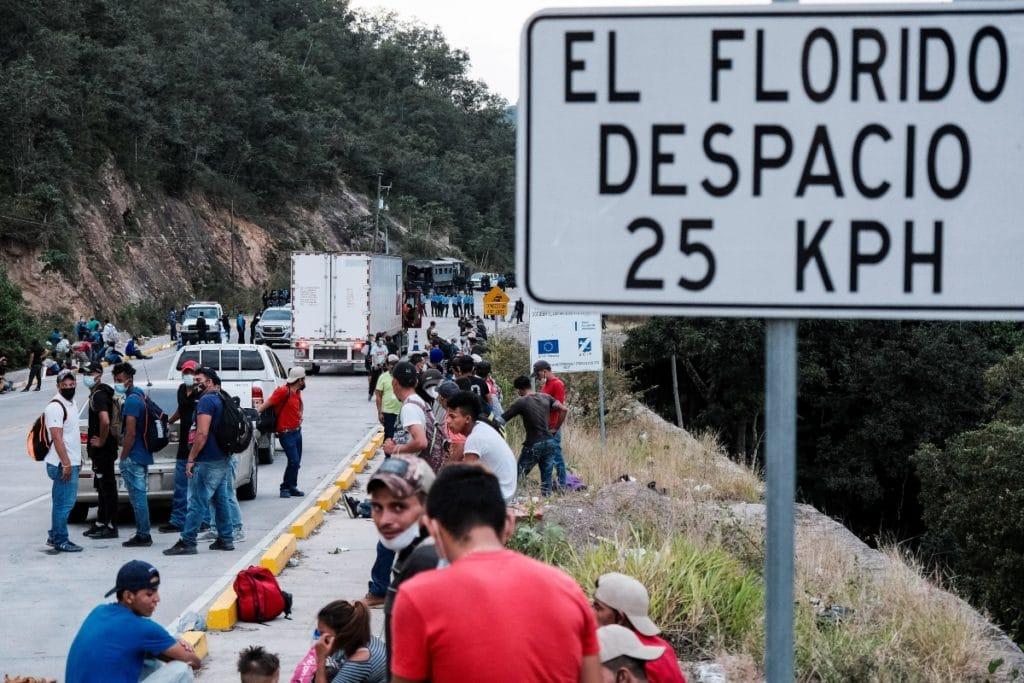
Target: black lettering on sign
{"x":806,"y":252}
{"x":972,"y":61}
{"x":606,"y":187}
{"x":761,"y":162}
{"x":904,"y":61}
{"x":720,"y":158}
{"x":763,"y":94}
{"x":805,"y":64}
{"x":932,"y":258}
{"x":632,"y":281}
{"x":870,"y":68}
{"x":689,"y":248}
{"x":926,"y":36}
{"x":572,"y":65}
{"x":874,"y":129}
{"x":965,"y":161}
{"x":719,"y":63}
{"x":859,"y":258}
{"x":614,"y":95}
{"x":908,"y":178}
{"x":821,"y":142}
{"x":658,"y":158}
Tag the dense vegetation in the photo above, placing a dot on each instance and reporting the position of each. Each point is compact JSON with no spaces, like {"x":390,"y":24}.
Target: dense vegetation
{"x":257,"y":103}
{"x":871,"y":394}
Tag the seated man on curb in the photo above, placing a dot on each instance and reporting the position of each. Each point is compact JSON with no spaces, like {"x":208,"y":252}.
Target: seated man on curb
{"x":623,"y":656}
{"x":493,"y":615}
{"x":117,"y":641}
{"x":398,"y":497}
{"x":622,"y":600}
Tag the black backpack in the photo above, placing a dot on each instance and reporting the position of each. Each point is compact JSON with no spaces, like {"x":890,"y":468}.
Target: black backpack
{"x":234,"y":433}
{"x":267,"y":422}
{"x":156,"y":433}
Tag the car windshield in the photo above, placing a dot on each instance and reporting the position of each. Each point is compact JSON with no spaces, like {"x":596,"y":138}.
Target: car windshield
{"x":278,"y":315}
{"x":207,"y":311}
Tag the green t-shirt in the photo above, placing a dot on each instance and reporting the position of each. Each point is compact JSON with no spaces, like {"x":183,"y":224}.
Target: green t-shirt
{"x":389,"y":403}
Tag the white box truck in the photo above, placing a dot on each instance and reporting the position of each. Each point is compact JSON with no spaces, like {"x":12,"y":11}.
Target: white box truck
{"x":339,"y":300}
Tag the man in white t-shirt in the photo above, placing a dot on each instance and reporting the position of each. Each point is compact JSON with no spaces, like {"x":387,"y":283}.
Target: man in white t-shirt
{"x":63,"y":461}
{"x":484,"y":444}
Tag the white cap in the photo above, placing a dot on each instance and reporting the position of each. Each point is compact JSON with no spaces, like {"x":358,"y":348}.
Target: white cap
{"x":627,"y":595}
{"x":295,"y":374}
{"x":619,"y":641}
{"x":476,"y":358}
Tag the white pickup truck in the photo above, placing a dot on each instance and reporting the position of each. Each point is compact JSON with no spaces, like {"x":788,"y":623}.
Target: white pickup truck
{"x":248,"y":371}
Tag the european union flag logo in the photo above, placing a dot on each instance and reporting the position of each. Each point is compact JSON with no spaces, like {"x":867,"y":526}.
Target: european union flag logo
{"x":547,"y":346}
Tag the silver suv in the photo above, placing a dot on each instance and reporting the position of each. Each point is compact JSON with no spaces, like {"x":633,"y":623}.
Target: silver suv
{"x":274,"y":327}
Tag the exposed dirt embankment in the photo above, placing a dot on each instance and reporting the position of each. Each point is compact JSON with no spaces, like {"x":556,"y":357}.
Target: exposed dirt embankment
{"x":137,"y":247}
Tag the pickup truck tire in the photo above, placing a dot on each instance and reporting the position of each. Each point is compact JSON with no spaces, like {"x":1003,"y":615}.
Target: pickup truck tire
{"x":314,"y":369}
{"x":78,"y":513}
{"x":248,"y":491}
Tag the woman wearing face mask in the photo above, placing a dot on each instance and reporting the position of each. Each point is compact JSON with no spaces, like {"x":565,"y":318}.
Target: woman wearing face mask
{"x":188,"y":397}
{"x":346,"y":646}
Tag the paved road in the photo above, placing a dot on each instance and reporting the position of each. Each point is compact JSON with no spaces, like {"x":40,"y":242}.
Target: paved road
{"x":46,"y":596}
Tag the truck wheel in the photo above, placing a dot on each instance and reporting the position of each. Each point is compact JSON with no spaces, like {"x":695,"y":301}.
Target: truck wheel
{"x":314,"y":369}
{"x":248,"y":491}
{"x":78,"y":513}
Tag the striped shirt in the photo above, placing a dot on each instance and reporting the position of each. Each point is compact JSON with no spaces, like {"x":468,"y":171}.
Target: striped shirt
{"x":373,"y":670}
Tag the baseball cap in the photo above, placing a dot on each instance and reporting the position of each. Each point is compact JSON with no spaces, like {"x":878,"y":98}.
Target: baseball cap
{"x":295,"y":374}
{"x":476,"y":357}
{"x":540,"y":365}
{"x":619,"y":641}
{"x":447,"y":389}
{"x":403,"y":474}
{"x":64,"y":374}
{"x":93,"y":368}
{"x":627,"y":595}
{"x":392,"y":358}
{"x":135,"y":576}
{"x":405,"y":373}
{"x":189,"y":365}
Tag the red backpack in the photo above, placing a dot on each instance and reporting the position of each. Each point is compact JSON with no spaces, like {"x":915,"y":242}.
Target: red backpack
{"x":259,"y":597}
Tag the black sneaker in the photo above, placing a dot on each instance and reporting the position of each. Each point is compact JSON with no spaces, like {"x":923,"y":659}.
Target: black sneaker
{"x":67,"y":547}
{"x":94,"y":529}
{"x":181,"y":548}
{"x":221,"y":545}
{"x":169,"y":528}
{"x":106,"y":532}
{"x":296,"y":493}
{"x":285,"y":493}
{"x":352,"y":505}
{"x":138,"y":541}
{"x":204,"y":527}
{"x":49,"y":542}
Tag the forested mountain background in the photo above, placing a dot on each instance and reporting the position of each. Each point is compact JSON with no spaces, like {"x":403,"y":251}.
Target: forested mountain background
{"x":259,"y":123}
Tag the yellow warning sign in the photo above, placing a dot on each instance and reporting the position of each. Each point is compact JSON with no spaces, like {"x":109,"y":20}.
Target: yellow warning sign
{"x":496,"y":296}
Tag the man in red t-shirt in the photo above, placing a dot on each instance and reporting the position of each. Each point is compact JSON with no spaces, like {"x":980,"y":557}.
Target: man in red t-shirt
{"x":621,"y":599}
{"x":555,"y":388}
{"x":493,"y":615}
{"x":287,"y":401}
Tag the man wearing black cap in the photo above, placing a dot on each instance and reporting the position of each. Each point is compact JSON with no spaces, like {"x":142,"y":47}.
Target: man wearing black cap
{"x":102,"y":450}
{"x":118,"y":642}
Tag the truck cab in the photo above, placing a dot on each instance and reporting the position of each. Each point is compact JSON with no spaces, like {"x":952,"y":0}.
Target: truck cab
{"x":212,"y":311}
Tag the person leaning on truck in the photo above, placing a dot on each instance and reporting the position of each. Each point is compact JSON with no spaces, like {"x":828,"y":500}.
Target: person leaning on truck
{"x":287,"y":401}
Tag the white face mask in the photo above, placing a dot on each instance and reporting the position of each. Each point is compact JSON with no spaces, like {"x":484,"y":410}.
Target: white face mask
{"x":402,"y":540}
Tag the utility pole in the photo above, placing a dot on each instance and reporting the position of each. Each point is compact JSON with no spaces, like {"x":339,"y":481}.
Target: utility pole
{"x":376,"y":216}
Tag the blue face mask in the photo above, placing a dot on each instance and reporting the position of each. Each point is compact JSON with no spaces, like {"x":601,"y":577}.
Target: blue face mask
{"x":89,"y":382}
{"x":188,"y":380}
{"x":119,"y":388}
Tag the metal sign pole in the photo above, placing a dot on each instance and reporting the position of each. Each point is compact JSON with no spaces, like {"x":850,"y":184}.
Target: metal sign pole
{"x":780,"y":456}
{"x":600,"y":404}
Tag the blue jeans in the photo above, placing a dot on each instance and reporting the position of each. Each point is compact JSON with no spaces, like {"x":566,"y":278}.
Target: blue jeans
{"x":291,"y":442}
{"x":380,"y":575}
{"x":228,"y":486}
{"x":558,"y":460}
{"x":204,"y":486}
{"x":541,"y":454}
{"x":179,"y":503}
{"x":64,"y":495}
{"x":136,"y":480}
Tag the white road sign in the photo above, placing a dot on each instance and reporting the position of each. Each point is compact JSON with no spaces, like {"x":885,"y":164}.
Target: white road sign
{"x":570,"y":342}
{"x":786,"y":161}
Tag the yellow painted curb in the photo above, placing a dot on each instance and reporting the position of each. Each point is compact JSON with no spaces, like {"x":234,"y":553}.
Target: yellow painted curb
{"x":358,"y":463}
{"x":346,"y":479}
{"x":307,"y":522}
{"x":223,"y":612}
{"x":197,"y":639}
{"x":276,"y":557}
{"x":329,"y":498}
{"x":368,"y":453}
